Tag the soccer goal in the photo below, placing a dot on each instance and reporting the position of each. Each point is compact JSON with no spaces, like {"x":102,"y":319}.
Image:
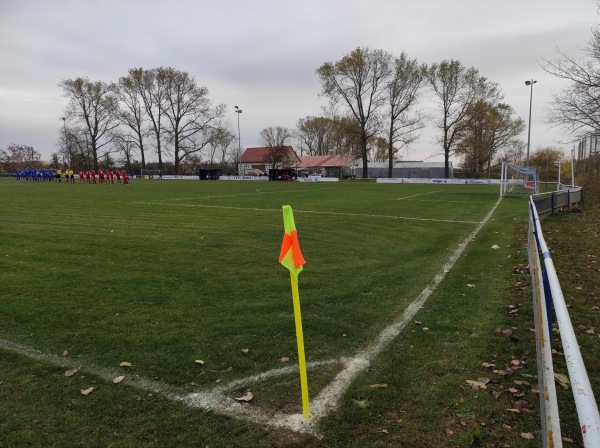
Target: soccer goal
{"x":150,"y":174}
{"x":518,"y":180}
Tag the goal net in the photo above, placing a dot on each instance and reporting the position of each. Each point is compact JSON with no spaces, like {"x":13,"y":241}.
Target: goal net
{"x":150,"y":174}
{"x":518,"y":180}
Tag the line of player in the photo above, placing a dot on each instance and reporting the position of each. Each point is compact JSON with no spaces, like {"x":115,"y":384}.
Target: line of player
{"x":88,"y":176}
{"x":104,"y":177}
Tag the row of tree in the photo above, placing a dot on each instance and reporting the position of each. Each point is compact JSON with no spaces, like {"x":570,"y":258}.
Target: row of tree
{"x":373,"y":97}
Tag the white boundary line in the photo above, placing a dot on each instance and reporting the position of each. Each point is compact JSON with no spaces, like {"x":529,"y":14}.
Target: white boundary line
{"x":326,"y":401}
{"x":420,"y":194}
{"x":315,"y":212}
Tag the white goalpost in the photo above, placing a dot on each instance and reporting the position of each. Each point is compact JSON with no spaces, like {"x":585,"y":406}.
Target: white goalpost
{"x":150,"y":174}
{"x":518,"y":180}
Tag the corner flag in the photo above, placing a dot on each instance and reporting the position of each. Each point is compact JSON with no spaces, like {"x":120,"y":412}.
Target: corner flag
{"x":291,"y":257}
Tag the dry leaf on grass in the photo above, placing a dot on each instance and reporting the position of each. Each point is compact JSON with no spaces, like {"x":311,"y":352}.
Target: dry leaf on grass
{"x":246,"y":397}
{"x":285,"y":359}
{"x":470,"y":285}
{"x":126,"y":364}
{"x":72,"y":372}
{"x":86,"y":391}
{"x":65,"y":353}
{"x":476,"y":384}
{"x":199,"y":361}
{"x":245,"y":350}
{"x":118,"y":379}
{"x":563,"y":380}
{"x":488,"y":365}
{"x":590,"y":331}
{"x":527,"y":436}
{"x":379,"y":386}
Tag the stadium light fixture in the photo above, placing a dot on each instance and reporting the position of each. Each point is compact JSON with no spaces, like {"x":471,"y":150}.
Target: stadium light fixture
{"x":238,"y":111}
{"x":529,"y":83}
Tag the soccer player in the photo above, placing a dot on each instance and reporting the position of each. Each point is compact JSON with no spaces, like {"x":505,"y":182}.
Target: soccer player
{"x":118,"y":173}
{"x":125,"y":178}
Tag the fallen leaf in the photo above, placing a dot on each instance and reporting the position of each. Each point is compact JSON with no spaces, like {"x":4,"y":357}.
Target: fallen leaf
{"x":563,"y":380}
{"x":245,"y":350}
{"x":568,"y":440}
{"x":515,"y":362}
{"x":199,"y":361}
{"x":449,"y":432}
{"x":284,"y":359}
{"x":516,"y":411}
{"x":483,"y":380}
{"x":65,"y":353}
{"x":72,"y":372}
{"x":522,"y":383}
{"x":590,"y":331}
{"x":418,"y":322}
{"x":496,"y":393}
{"x":86,"y":391}
{"x":425,"y":329}
{"x":378,"y":386}
{"x":118,"y":379}
{"x":495,"y":246}
{"x":527,"y":436}
{"x":125,"y":364}
{"x":361,"y":403}
{"x":246,"y":397}
{"x":507,"y":427}
{"x":488,"y":365}
{"x":470,"y":285}
{"x":476,"y":384}
{"x":513,"y":390}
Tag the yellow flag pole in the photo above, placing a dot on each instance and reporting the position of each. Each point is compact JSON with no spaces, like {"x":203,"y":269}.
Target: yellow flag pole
{"x":300,"y":342}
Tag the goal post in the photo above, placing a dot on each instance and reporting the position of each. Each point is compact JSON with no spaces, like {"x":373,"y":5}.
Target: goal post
{"x":150,"y":174}
{"x":518,"y":181}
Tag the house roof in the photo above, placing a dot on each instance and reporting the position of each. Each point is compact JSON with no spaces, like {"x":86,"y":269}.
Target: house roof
{"x":327,"y":161}
{"x":258,"y":154}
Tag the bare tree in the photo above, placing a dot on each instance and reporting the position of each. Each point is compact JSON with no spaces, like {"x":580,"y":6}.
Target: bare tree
{"x":315,"y":134}
{"x":577,"y":107}
{"x":456,"y":89}
{"x":190,"y":113}
{"x":221,"y":140}
{"x":276,"y":139}
{"x":358,"y":81}
{"x":94,"y":105}
{"x":133,"y":112}
{"x":402,"y":92}
{"x":490,"y":128}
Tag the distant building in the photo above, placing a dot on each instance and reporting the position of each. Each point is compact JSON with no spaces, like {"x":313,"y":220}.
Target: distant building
{"x":407,"y":170}
{"x":338,"y":165}
{"x":255,"y":161}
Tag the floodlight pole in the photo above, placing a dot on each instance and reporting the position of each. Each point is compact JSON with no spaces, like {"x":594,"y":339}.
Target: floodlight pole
{"x":238,"y":111}
{"x":529,"y":83}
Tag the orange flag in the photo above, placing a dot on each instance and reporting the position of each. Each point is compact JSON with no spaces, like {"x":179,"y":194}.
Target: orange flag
{"x":291,"y":255}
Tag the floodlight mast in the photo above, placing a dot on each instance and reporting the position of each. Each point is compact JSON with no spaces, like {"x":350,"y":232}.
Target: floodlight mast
{"x":238,"y":111}
{"x":529,"y":83}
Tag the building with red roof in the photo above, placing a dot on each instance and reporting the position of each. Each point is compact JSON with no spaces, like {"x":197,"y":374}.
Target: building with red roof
{"x":255,"y":161}
{"x":333,"y":165}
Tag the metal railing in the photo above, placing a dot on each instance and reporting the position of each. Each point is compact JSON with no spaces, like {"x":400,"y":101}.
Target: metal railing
{"x":547,"y":294}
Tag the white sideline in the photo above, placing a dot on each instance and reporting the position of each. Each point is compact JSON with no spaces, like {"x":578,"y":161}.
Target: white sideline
{"x":215,"y":399}
{"x":314,"y":212}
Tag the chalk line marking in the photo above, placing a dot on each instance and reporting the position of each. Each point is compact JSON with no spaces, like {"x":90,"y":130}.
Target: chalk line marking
{"x":315,"y":212}
{"x":326,"y":401}
{"x":420,"y":194}
{"x":257,"y":191}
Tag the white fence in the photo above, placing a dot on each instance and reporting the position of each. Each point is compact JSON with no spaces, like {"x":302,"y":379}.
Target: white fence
{"x":547,"y":293}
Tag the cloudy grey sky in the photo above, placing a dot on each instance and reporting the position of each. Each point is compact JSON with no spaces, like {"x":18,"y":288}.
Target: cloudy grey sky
{"x":261,"y":55}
